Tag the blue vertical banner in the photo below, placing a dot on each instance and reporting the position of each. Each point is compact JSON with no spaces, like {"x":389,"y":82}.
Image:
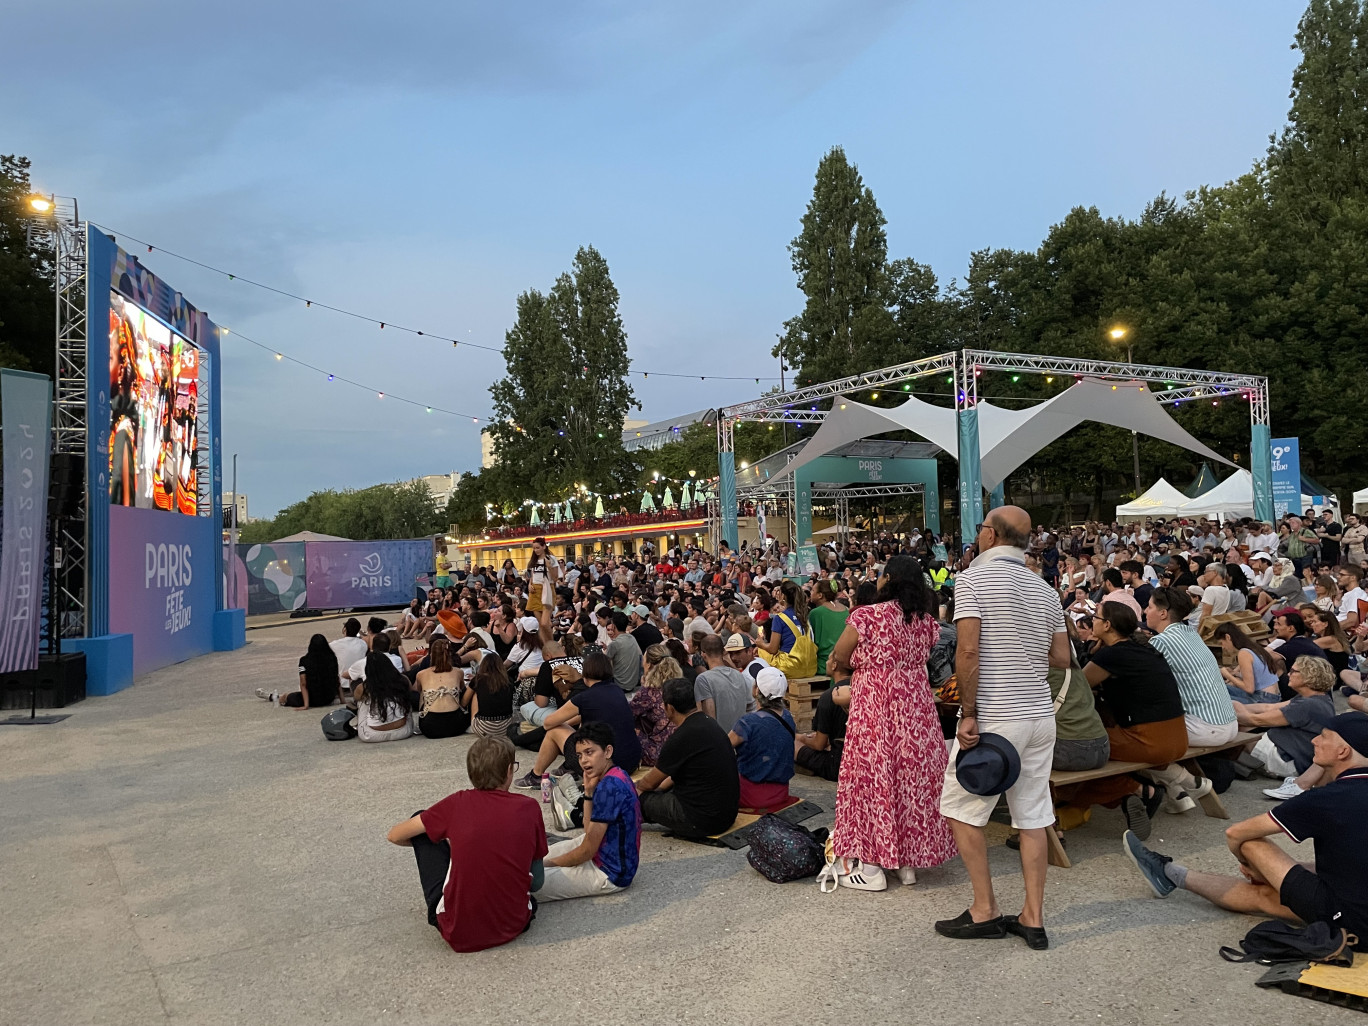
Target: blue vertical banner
{"x":1286,"y":473}
{"x":27,"y":405}
{"x":726,"y":471}
{"x":970,"y":475}
{"x":1261,"y":468}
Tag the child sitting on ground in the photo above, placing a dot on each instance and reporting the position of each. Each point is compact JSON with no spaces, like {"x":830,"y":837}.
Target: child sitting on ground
{"x":604,"y":859}
{"x":764,"y":746}
{"x":479,"y":853}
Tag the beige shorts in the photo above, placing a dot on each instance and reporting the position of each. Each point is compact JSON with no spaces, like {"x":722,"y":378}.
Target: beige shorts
{"x":1029,"y":798}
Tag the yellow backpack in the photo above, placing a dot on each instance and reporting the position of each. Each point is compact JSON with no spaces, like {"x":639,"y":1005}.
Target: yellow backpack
{"x":799,"y":661}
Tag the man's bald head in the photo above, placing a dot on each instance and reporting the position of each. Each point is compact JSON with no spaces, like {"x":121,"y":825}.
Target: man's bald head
{"x":1011,"y":524}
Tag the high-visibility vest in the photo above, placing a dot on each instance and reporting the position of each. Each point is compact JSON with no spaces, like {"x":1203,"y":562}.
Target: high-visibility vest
{"x":939,"y":577}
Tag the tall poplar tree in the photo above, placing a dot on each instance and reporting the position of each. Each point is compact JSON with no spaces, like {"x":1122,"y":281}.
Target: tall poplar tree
{"x":558,"y":412}
{"x":840,"y":257}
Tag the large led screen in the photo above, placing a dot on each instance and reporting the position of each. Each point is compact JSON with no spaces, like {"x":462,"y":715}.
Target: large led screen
{"x":153,"y":395}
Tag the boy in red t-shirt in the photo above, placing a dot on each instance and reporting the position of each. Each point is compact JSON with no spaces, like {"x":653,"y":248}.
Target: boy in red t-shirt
{"x":479,"y":853}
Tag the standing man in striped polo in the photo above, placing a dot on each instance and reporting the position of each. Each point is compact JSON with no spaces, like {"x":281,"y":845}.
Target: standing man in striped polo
{"x":1010,"y":633}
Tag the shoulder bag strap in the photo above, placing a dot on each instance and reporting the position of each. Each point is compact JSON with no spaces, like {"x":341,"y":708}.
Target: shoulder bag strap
{"x":782,"y":722}
{"x":1063,"y":691}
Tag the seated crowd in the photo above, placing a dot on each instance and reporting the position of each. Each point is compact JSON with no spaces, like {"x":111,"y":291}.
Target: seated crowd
{"x":656,"y":691}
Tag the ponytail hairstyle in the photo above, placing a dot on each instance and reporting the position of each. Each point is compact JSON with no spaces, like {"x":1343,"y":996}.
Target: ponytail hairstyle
{"x":797,"y":599}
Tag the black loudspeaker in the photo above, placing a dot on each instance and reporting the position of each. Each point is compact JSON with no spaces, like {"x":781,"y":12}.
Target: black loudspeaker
{"x":58,"y":682}
{"x":67,"y":487}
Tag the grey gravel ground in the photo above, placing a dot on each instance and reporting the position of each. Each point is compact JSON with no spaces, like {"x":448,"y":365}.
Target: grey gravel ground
{"x":182,"y":852}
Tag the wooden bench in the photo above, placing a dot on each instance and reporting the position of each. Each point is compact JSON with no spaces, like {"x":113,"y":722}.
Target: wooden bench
{"x":801,"y":699}
{"x":1211,"y":803}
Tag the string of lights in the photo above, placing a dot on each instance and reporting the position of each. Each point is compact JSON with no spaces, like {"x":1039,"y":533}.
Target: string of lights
{"x":391,"y":325}
{"x":283,"y":357}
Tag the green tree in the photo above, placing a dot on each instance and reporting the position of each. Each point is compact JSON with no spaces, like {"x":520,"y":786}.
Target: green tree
{"x":840,"y":258}
{"x":559,"y":410}
{"x":401,"y":510}
{"x":27,"y":306}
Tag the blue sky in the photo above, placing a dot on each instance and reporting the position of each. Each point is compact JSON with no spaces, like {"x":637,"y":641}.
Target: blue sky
{"x":427,"y":162}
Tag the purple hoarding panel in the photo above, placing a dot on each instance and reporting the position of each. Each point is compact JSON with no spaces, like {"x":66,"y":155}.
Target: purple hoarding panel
{"x":162,"y":584}
{"x":342,"y":575}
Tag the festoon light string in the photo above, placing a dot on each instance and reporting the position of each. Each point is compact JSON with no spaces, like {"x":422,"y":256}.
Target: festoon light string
{"x":310,"y":303}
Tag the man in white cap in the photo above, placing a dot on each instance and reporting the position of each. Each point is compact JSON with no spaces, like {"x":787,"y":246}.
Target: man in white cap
{"x":1262,"y":565}
{"x":644,"y":632}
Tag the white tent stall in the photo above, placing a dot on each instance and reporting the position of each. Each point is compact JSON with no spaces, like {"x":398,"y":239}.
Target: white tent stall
{"x":1234,"y":498}
{"x":1361,"y":501}
{"x":1161,"y":499}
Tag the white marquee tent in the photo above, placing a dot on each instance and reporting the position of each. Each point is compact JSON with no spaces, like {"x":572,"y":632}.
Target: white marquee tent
{"x":1234,"y":498}
{"x":1161,"y":499}
{"x":1361,"y":501}
{"x":1007,"y":438}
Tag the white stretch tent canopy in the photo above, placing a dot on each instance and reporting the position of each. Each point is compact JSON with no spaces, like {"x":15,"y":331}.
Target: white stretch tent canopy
{"x":1234,"y":498}
{"x":1161,"y":499}
{"x":1007,"y":438}
{"x":1361,"y":501}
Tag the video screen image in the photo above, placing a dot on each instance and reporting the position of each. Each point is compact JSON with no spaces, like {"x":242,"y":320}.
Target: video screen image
{"x":153,"y":394}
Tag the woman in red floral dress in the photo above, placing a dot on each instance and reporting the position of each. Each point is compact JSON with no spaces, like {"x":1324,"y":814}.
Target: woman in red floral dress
{"x":888,"y":796}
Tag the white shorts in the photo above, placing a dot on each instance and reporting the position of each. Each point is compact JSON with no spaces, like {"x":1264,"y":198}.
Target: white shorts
{"x":1029,"y":798}
{"x":564,"y":882}
{"x":1202,"y":734}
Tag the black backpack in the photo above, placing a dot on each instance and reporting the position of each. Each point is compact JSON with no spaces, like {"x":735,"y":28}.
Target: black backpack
{"x":1276,"y":942}
{"x":781,"y":851}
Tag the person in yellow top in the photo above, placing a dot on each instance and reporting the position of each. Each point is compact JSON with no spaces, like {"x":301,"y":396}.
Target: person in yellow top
{"x":443,"y":567}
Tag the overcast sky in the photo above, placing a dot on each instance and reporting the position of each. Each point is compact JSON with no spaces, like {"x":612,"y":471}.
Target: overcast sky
{"x":425,"y":163}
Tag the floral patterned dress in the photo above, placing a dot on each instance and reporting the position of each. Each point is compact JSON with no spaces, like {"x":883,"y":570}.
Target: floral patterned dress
{"x":653,"y":725}
{"x":888,"y":795}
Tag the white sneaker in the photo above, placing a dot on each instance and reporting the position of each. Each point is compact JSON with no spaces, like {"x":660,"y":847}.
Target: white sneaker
{"x":1204,"y":787}
{"x":863,"y":876}
{"x":270,"y":696}
{"x":907,"y":876}
{"x":1289,"y":789}
{"x":1175,"y":804}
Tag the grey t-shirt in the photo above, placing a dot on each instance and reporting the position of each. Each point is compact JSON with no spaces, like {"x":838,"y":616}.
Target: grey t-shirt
{"x":626,"y":656}
{"x":1307,"y":716}
{"x":730,"y":690}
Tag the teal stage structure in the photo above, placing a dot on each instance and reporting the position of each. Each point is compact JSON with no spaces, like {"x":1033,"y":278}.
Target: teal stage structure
{"x":1169,"y":386}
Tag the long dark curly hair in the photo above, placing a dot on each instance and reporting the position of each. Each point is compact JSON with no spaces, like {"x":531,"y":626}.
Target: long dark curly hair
{"x":385,"y":686}
{"x":905,"y":583}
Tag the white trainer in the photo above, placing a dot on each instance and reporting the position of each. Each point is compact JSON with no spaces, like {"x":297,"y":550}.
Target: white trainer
{"x":1288,"y":789}
{"x":1175,"y":804}
{"x":907,"y":876}
{"x":863,"y":876}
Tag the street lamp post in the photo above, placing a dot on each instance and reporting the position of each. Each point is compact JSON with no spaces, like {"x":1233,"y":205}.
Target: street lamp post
{"x":1118,"y":334}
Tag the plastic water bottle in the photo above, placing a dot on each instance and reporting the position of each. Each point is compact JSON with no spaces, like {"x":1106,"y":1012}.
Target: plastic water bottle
{"x":546,"y":788}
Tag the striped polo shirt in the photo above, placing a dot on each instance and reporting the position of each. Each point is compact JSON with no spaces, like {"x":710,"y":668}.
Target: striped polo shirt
{"x":1198,"y":674}
{"x":1019,"y":616}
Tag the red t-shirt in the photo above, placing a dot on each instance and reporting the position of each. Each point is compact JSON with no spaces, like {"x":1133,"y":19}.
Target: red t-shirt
{"x":495,"y":836}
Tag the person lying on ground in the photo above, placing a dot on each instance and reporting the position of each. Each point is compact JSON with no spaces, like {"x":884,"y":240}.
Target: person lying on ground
{"x":604,"y":858}
{"x":764,"y":746}
{"x":694,"y":789}
{"x":1333,"y":888}
{"x":479,"y":853}
{"x":594,"y":704}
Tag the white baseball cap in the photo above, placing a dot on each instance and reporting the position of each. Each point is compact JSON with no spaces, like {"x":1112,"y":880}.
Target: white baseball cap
{"x":771,"y":682}
{"x":529,"y":624}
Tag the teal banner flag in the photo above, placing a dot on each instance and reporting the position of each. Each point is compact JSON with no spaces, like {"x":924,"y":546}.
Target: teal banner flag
{"x":26,"y":400}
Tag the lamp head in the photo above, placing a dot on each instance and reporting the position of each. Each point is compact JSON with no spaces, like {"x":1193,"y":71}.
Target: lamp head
{"x":1118,"y":333}
{"x":40,"y":204}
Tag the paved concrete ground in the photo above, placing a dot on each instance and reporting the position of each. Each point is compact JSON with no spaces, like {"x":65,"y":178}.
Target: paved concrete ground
{"x":182,"y":852}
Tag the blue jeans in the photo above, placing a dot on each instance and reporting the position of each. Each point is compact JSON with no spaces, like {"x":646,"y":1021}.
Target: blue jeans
{"x":536,"y":714}
{"x":1258,"y":698}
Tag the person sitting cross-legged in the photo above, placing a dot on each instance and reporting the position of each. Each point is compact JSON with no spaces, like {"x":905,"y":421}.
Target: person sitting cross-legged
{"x":694,"y":789}
{"x":764,"y":746}
{"x":604,"y":859}
{"x":1331,"y":890}
{"x":479,"y":853}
